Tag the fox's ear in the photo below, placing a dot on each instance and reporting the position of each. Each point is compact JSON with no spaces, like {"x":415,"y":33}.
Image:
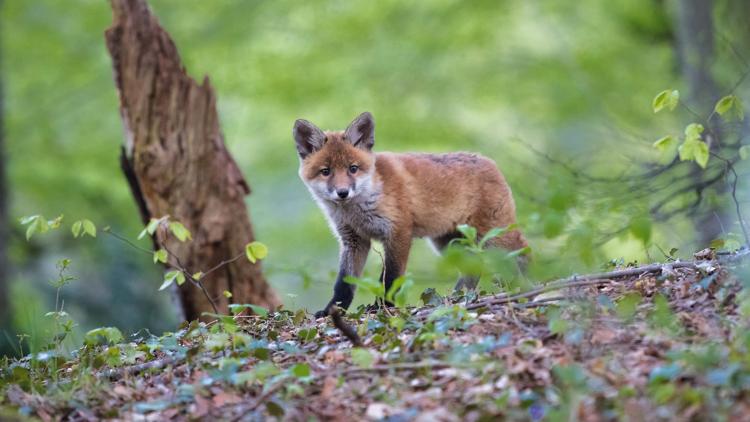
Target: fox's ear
{"x":308,"y":137}
{"x":361,"y":132}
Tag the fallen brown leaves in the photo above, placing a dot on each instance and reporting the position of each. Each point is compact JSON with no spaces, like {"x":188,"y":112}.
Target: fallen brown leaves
{"x":596,"y":355}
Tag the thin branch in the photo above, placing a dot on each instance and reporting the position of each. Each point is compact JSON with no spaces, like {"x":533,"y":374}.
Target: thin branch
{"x":128,"y":242}
{"x":738,"y":210}
{"x":196,"y":281}
{"x":221,"y":264}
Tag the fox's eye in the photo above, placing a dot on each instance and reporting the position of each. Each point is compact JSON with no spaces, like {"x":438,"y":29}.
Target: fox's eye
{"x":325,"y":172}
{"x":353,"y":168}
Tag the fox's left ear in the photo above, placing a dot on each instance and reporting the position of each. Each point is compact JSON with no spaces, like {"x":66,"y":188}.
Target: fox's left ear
{"x":361,"y":132}
{"x":308,"y":137}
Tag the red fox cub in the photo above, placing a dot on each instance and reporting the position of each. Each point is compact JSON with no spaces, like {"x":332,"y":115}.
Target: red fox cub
{"x":393,"y":198}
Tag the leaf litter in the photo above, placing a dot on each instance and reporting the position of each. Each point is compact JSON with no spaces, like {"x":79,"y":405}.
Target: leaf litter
{"x":670,"y":341}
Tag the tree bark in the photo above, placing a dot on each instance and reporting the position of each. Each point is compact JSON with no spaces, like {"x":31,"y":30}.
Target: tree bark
{"x":4,"y":223}
{"x":177,"y":164}
{"x":695,"y":53}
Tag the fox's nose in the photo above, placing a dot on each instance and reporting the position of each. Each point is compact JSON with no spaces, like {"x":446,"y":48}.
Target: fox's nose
{"x":342,"y":193}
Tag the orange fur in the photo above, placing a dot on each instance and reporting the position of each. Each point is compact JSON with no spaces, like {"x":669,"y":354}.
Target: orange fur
{"x":394,"y":198}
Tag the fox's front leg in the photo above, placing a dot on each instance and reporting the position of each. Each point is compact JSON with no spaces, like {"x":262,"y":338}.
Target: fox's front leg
{"x":354,"y":249}
{"x":396,"y":255}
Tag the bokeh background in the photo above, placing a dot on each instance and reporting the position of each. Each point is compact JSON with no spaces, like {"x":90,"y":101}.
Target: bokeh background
{"x":558,"y":93}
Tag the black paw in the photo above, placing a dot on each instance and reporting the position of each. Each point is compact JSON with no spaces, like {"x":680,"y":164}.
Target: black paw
{"x":321,"y":314}
{"x":378,"y":305}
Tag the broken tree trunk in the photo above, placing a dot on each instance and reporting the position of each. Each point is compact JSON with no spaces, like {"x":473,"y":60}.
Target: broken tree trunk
{"x":176,"y":163}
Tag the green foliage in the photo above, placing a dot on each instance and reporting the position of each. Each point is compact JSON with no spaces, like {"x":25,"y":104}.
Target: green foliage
{"x":301,"y":370}
{"x":255,"y":251}
{"x":83,"y":227}
{"x":665,"y":143}
{"x":170,"y":277}
{"x":640,"y":227}
{"x":161,"y":255}
{"x":39,"y":224}
{"x":730,"y":107}
{"x":151,"y":227}
{"x":628,"y":305}
{"x":666,"y":99}
{"x":399,"y":292}
{"x":362,"y":357}
{"x":180,"y":231}
{"x":374,"y":287}
{"x":628,"y":57}
{"x":694,"y":148}
{"x":236,"y":308}
{"x":103,"y":335}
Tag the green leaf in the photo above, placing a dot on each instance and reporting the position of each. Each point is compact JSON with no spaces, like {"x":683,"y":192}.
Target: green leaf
{"x":665,"y":143}
{"x":179,"y":231}
{"x":701,"y":154}
{"x":151,"y":227}
{"x":160,"y":256}
{"x":53,"y":224}
{"x":36,"y":224}
{"x":693,"y":131}
{"x":716,"y":244}
{"x":76,"y":228}
{"x":171,"y":277}
{"x":724,"y":104}
{"x":641,"y":228}
{"x":722,"y":376}
{"x":430,"y":296}
{"x":397,"y":283}
{"x":111,"y":335}
{"x":307,"y":334}
{"x":558,"y":325}
{"x":260,"y":372}
{"x":744,"y":152}
{"x":227,"y":294}
{"x":667,"y":98}
{"x":495,"y":232}
{"x":236,"y":308}
{"x":28,"y":219}
{"x":470,"y":233}
{"x":628,"y":305}
{"x":401,"y":297}
{"x":376,"y":288}
{"x":362,"y":357}
{"x":198,"y":275}
{"x":668,"y":372}
{"x":89,"y":228}
{"x":301,"y":370}
{"x":255,"y":251}
{"x":730,"y":107}
{"x":694,"y":149}
{"x":553,"y":224}
{"x":274,"y":409}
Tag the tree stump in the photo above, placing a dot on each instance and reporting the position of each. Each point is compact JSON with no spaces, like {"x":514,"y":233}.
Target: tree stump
{"x":177,"y":164}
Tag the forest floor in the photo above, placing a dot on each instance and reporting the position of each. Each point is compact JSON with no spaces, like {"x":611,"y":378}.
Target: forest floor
{"x":659,"y":342}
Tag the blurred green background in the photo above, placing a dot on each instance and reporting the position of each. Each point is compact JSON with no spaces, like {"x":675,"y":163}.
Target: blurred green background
{"x":558,"y":93}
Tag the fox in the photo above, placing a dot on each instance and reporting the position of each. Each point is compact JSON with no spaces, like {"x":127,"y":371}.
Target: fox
{"x":394,"y":198}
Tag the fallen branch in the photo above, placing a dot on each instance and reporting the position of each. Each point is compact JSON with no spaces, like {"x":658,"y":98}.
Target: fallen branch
{"x":583,"y":281}
{"x":347,"y":330}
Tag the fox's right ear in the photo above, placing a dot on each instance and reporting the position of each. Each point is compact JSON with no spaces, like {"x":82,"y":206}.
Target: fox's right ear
{"x":308,"y":137}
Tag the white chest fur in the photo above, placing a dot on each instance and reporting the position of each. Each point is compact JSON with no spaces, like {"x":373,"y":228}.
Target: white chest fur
{"x":361,"y":215}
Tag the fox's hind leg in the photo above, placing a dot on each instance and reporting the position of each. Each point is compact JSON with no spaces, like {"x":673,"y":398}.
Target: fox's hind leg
{"x":442,"y":242}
